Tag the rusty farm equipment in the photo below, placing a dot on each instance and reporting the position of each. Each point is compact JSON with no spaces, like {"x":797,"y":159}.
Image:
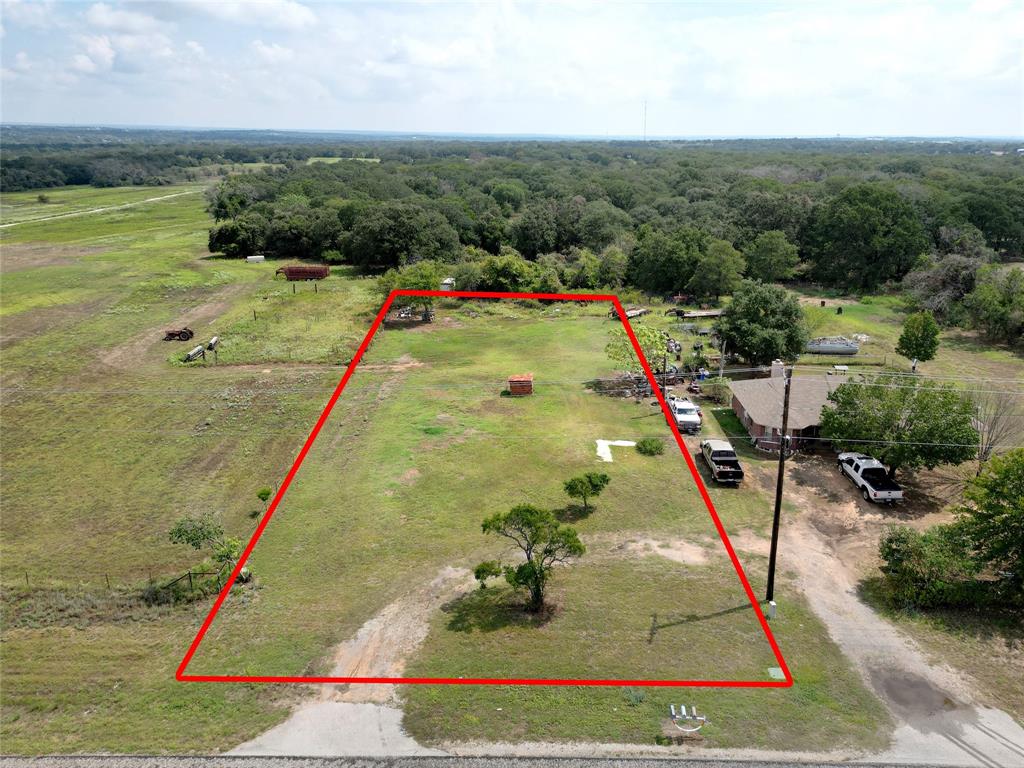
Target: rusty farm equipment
{"x":179,"y":334}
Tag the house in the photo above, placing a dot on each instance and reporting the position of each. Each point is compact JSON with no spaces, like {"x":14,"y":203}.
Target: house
{"x":448,"y":284}
{"x":757,"y":403}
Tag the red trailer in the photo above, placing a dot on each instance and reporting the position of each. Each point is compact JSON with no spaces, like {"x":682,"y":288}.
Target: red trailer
{"x":305,"y":271}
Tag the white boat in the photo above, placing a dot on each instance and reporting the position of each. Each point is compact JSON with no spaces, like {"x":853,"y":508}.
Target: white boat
{"x":832,"y":345}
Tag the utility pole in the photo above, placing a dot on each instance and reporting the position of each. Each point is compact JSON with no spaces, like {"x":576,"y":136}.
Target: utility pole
{"x":787,"y":377}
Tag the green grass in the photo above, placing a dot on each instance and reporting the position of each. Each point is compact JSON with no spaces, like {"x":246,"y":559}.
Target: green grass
{"x":961,"y":353}
{"x":107,"y":441}
{"x":828,"y":707}
{"x":25,"y":206}
{"x":312,"y":160}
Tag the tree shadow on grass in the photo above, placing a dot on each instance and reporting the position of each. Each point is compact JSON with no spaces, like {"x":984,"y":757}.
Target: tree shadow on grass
{"x":491,"y":609}
{"x":573,"y":513}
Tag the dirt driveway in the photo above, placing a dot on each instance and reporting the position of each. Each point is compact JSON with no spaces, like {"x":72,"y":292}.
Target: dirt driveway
{"x":831,"y":543}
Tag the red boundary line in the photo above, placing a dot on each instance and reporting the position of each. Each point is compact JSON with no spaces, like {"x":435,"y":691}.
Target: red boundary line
{"x":785,"y":683}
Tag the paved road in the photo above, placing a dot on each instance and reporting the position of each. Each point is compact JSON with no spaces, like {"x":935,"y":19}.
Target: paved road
{"x":404,"y":762}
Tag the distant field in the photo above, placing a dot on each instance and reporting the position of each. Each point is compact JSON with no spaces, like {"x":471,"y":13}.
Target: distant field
{"x":312,"y":160}
{"x":108,"y":439}
{"x":25,"y":206}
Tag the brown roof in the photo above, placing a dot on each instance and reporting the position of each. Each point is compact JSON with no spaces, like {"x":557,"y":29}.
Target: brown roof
{"x":521,"y":377}
{"x":762,"y":399}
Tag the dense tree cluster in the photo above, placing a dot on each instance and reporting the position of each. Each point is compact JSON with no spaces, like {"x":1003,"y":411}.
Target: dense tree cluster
{"x":687,"y":218}
{"x":674,"y":217}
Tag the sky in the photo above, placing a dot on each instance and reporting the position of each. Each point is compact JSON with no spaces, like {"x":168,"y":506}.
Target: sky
{"x":866,"y":68}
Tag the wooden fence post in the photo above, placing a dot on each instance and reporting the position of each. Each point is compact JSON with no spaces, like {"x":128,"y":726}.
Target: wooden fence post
{"x":190,"y":590}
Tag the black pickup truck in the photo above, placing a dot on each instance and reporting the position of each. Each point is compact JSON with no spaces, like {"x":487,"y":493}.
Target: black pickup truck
{"x":721,"y":460}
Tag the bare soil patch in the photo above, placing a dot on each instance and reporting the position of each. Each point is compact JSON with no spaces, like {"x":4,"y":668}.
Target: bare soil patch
{"x":197,"y":318}
{"x":677,"y":550}
{"x":440,"y":324}
{"x":18,"y":256}
{"x":40,"y":320}
{"x":383,"y":644}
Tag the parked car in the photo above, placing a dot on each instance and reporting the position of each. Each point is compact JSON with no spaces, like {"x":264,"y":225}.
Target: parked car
{"x":687,"y":415}
{"x":871,"y":478}
{"x":722,"y":461}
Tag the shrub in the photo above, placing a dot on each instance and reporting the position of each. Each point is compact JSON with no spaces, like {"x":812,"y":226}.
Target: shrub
{"x":929,"y":570}
{"x":718,"y":389}
{"x":650,"y":446}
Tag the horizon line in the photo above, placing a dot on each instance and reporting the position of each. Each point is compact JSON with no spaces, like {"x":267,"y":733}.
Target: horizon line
{"x":523,"y":135}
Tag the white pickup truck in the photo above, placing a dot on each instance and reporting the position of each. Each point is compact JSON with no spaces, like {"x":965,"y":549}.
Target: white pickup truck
{"x":871,"y":477}
{"x":687,"y":415}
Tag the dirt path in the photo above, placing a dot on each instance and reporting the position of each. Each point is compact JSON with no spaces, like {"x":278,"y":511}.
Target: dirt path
{"x":99,"y":210}
{"x":129,"y":354}
{"x":365,"y":719}
{"x":939,"y":721}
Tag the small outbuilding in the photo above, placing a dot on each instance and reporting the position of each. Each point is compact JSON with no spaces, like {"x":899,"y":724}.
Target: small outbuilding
{"x":520,"y":384}
{"x":448,"y":284}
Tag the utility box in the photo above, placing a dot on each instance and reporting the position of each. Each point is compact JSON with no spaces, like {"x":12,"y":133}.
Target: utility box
{"x":520,"y":385}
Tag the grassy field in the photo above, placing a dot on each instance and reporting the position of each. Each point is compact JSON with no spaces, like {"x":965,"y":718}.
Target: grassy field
{"x":312,"y":160}
{"x":20,"y":207}
{"x":108,"y":439}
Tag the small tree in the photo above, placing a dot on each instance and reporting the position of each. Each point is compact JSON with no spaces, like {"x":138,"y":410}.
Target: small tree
{"x":263,"y":494}
{"x":204,"y":531}
{"x":993,"y":518}
{"x":718,"y":389}
{"x":585,"y":486}
{"x":542,"y":540}
{"x":620,"y":349}
{"x":920,"y":337}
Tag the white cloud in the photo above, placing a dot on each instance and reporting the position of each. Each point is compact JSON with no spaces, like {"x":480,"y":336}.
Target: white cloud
{"x":29,"y":13}
{"x":785,"y":68}
{"x":272,"y":53}
{"x":277,"y":14}
{"x":98,"y":56}
{"x":120,"y":20}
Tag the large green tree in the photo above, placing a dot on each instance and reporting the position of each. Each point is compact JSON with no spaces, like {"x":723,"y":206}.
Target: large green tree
{"x":717,"y":271}
{"x":662,"y":263}
{"x":902,"y":421}
{"x":993,"y":515}
{"x":421,"y":276}
{"x":543,"y":541}
{"x":920,"y":337}
{"x":996,"y":305}
{"x":396,"y":233}
{"x":771,"y":257}
{"x":763,"y":323}
{"x":864,"y":236}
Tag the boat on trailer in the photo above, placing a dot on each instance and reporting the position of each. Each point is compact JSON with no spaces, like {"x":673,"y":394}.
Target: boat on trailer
{"x":833,"y":345}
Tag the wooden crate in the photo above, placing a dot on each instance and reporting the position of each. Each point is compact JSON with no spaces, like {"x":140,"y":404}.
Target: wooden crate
{"x":520,"y":385}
